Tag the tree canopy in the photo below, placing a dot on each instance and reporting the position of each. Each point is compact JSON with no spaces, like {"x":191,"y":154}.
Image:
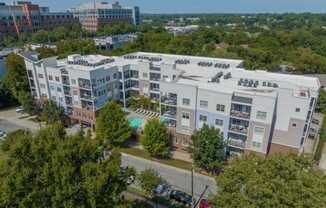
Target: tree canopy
{"x":111,"y":125}
{"x":51,"y":169}
{"x":52,"y":113}
{"x":208,"y":148}
{"x":155,"y":138}
{"x":149,"y":179}
{"x":287,"y":181}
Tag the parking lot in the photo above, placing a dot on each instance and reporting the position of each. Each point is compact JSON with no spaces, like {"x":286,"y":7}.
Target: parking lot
{"x":11,"y":121}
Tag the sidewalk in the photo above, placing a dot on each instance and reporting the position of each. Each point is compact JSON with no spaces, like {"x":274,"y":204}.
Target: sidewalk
{"x":322,"y":162}
{"x":175,"y":154}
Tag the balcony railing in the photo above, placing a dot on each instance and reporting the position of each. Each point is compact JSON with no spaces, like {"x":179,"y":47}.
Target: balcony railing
{"x":169,"y":100}
{"x":169,"y":114}
{"x":240,"y":114}
{"x":239,"y":128}
{"x":237,"y":143}
{"x":155,"y":89}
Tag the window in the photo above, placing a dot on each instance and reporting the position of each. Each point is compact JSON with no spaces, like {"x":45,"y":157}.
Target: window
{"x":52,"y":88}
{"x":42,"y":85}
{"x":297,"y":110}
{"x":220,"y":107}
{"x":59,"y":89}
{"x":73,"y":81}
{"x":256,"y":144}
{"x":145,"y":75}
{"x":50,"y":77}
{"x":203,"y":118}
{"x":259,"y":130}
{"x":185,"y":101}
{"x":218,"y":122}
{"x":114,"y":76}
{"x":203,"y":104}
{"x":294,"y":125}
{"x":54,"y":98}
{"x":57,"y":79}
{"x":107,"y":78}
{"x":40,"y":76}
{"x":185,"y":119}
{"x":75,"y":92}
{"x":261,"y":115}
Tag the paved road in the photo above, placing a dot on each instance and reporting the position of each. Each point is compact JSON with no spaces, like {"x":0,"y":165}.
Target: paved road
{"x":178,"y":178}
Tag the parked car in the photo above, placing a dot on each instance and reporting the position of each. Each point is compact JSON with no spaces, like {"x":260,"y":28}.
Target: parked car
{"x":181,"y":197}
{"x":3,"y":134}
{"x":19,"y":110}
{"x":161,"y":190}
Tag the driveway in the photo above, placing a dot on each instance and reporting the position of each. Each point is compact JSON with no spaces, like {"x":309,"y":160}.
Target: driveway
{"x":178,"y":178}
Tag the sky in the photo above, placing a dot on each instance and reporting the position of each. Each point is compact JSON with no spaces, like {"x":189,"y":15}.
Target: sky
{"x":202,"y":6}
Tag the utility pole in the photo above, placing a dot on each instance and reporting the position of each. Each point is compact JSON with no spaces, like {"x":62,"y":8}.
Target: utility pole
{"x":201,"y":196}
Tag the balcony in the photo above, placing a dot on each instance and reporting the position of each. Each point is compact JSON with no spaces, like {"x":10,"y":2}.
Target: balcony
{"x":169,"y":100}
{"x":237,"y":143}
{"x":240,"y":114}
{"x":170,"y":114}
{"x":154,"y":68}
{"x":170,"y":123}
{"x":239,"y":128}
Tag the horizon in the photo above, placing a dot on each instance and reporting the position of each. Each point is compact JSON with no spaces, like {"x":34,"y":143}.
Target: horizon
{"x":205,"y":6}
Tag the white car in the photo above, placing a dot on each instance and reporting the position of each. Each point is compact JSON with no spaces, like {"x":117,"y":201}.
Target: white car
{"x":19,"y":110}
{"x":2,"y":134}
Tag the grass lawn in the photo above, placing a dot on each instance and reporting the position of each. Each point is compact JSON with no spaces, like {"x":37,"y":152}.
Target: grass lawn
{"x":172,"y":162}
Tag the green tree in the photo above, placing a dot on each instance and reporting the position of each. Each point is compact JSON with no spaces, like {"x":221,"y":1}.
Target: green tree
{"x":144,"y":102}
{"x":155,"y":138}
{"x":15,"y":78}
{"x":52,"y":113}
{"x":29,"y":104}
{"x":111,"y":125}
{"x":286,"y":181}
{"x":149,"y":179}
{"x":321,"y":104}
{"x":208,"y":148}
{"x":51,"y":169}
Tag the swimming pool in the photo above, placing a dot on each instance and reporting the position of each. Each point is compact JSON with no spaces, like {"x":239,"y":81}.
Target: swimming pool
{"x":135,"y":122}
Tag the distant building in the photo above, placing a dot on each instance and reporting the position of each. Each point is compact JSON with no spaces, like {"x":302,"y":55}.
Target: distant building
{"x":25,"y":17}
{"x":182,"y":30}
{"x":113,"y":42}
{"x":256,"y":111}
{"x":94,"y":15}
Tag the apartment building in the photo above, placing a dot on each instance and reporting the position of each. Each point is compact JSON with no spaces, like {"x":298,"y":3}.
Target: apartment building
{"x":25,"y":16}
{"x":256,"y":111}
{"x":93,"y":15}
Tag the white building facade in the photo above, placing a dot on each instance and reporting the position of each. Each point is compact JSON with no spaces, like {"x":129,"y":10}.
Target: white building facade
{"x":255,"y":111}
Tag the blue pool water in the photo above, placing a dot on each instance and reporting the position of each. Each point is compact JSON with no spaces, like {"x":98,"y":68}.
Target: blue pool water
{"x":135,"y":122}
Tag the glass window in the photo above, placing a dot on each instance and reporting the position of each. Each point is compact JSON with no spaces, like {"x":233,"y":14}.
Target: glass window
{"x":73,"y":81}
{"x":218,"y":122}
{"x":256,"y":144}
{"x":261,"y":115}
{"x":220,"y":107}
{"x":203,"y":118}
{"x":203,"y":104}
{"x":145,"y":75}
{"x":50,"y":77}
{"x":40,"y":76}
{"x":185,"y":101}
{"x":42,"y":85}
{"x":259,"y":130}
{"x":297,"y":110}
{"x":59,"y":89}
{"x":57,"y":79}
{"x":185,"y":119}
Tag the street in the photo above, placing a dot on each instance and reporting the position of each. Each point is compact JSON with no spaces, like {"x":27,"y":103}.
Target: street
{"x":178,"y":178}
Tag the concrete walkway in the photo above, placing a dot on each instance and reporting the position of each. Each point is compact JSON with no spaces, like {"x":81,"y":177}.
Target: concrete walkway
{"x":322,"y":162}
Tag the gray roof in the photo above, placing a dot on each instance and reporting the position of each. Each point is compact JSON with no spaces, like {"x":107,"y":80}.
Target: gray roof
{"x":31,"y":55}
{"x":321,"y":77}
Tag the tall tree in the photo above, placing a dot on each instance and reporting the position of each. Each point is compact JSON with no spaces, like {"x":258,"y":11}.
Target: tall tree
{"x":15,"y":78}
{"x":156,"y":139}
{"x":51,"y":169}
{"x":149,"y":179}
{"x":52,"y":113}
{"x":208,"y":148}
{"x":111,"y":125}
{"x":286,"y":181}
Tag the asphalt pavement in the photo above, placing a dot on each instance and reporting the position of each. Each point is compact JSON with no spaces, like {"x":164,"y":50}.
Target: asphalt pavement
{"x":178,"y":178}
